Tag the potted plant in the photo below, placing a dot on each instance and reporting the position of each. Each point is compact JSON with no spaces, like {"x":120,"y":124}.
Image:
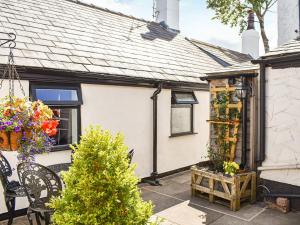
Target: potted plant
{"x":222,"y":179}
{"x":26,"y":126}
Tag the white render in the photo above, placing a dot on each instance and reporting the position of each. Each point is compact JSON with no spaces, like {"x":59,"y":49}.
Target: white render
{"x":250,"y":43}
{"x":168,"y":11}
{"x":282,"y":162}
{"x":288,"y":20}
{"x":129,"y":110}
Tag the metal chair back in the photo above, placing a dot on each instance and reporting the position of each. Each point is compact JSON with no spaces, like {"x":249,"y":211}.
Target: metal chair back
{"x":130,"y":155}
{"x":40,"y":183}
{"x":5,"y":170}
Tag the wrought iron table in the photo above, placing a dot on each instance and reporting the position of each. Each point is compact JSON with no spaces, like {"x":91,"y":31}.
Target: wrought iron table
{"x":57,"y":168}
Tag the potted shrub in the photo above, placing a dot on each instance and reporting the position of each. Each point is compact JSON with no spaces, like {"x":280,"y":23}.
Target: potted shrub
{"x":25,"y":126}
{"x":101,"y":187}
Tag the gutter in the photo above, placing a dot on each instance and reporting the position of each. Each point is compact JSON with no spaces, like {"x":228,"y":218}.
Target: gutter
{"x":244,"y":126}
{"x":154,"y":174}
{"x":262,"y":110}
{"x":262,"y":125}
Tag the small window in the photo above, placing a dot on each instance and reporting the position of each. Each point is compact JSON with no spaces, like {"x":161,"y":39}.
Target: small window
{"x":65,"y":103}
{"x":184,"y":98}
{"x":57,"y":95}
{"x":182,"y":113}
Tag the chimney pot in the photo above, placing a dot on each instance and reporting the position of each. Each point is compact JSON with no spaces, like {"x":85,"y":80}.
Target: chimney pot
{"x":167,"y":11}
{"x":251,"y":25}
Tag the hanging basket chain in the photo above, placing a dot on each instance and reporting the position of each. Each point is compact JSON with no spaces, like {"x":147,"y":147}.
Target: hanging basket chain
{"x":10,"y":71}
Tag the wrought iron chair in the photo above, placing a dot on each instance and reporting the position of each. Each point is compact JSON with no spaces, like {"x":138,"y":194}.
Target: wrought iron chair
{"x":40,"y":184}
{"x":12,"y":189}
{"x":130,"y":155}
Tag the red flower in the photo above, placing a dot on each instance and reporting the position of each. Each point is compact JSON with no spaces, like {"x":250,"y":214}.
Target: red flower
{"x":36,"y":114}
{"x":49,"y":127}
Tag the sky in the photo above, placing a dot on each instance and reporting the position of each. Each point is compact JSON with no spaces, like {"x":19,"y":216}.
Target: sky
{"x":195,"y":21}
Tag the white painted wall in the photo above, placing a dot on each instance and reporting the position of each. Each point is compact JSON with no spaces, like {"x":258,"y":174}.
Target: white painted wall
{"x":129,"y":110}
{"x":283,"y":125}
{"x":288,"y":20}
{"x":168,"y":11}
{"x":182,"y":151}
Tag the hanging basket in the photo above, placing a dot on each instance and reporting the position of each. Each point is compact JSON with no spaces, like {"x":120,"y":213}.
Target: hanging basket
{"x":25,"y":126}
{"x":10,"y":141}
{"x":4,"y":141}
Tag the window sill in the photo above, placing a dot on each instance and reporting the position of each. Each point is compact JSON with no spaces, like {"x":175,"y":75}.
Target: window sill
{"x":182,"y":134}
{"x":60,"y":148}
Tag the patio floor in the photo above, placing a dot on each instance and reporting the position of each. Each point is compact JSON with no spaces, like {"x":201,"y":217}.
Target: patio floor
{"x":173,"y":203}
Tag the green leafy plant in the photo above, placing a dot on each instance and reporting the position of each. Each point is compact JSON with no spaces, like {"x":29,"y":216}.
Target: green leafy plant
{"x":223,"y":122}
{"x":101,"y":187}
{"x":234,"y":13}
{"x":231,"y":168}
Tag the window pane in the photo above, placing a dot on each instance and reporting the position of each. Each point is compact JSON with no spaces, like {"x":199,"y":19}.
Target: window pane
{"x":56,"y":95}
{"x":68,"y":128}
{"x":181,"y":119}
{"x":184,"y":98}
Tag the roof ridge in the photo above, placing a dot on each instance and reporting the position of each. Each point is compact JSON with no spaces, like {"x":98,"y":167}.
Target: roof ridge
{"x":214,"y":46}
{"x":80,"y":2}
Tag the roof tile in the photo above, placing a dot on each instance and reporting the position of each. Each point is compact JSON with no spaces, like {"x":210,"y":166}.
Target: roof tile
{"x":60,"y":51}
{"x":34,"y":54}
{"x":58,"y":57}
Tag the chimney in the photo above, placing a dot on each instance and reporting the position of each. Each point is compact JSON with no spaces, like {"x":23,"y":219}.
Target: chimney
{"x":250,"y":38}
{"x":167,"y":12}
{"x":288,"y":20}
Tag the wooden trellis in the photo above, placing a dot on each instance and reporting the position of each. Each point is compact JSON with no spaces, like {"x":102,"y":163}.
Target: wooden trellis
{"x":233,"y":123}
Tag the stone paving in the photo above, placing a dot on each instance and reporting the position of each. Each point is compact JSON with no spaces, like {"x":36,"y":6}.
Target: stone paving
{"x":174,"y":204}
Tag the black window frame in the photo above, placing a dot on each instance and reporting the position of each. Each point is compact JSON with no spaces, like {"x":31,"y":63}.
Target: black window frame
{"x":183,"y":104}
{"x":61,"y":104}
{"x":58,"y":103}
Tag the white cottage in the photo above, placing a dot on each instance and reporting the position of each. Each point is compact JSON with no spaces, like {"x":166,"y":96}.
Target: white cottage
{"x":128,"y":75}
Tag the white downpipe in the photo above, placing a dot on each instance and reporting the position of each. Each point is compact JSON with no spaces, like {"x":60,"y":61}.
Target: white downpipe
{"x":279,"y":167}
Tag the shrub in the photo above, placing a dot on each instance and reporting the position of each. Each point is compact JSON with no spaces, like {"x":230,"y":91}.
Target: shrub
{"x":101,"y":187}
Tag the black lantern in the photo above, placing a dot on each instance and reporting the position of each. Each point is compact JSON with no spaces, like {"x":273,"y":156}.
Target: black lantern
{"x":243,"y":89}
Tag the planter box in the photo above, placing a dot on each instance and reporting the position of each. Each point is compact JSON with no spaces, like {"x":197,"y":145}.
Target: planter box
{"x":234,"y":189}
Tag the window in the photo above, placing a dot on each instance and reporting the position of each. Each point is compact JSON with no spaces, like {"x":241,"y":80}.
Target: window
{"x":65,"y":103}
{"x":182,"y":113}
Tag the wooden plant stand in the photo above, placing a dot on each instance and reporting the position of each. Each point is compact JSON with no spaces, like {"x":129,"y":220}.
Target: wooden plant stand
{"x":234,"y":189}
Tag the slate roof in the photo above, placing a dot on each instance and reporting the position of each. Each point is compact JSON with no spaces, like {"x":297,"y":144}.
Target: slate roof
{"x":229,"y":56}
{"x":237,"y":69}
{"x":72,"y":36}
{"x":291,"y":47}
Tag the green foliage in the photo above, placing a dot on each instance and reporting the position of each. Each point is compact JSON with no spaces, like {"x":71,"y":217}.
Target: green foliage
{"x":234,"y":13}
{"x":231,"y":168}
{"x":217,"y":156}
{"x":218,"y":150}
{"x":101,"y":188}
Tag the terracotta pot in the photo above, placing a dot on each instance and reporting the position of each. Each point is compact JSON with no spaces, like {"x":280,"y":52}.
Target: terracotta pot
{"x":4,"y":141}
{"x":15,"y":139}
